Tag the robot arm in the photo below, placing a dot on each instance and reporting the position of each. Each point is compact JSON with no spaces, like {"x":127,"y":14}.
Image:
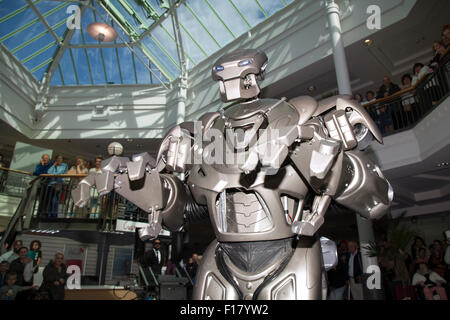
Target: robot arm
{"x":162,"y":196}
{"x":334,"y":166}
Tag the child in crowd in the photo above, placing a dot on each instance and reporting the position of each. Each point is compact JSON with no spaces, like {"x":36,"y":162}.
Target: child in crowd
{"x":35,"y":254}
{"x":9,"y":291}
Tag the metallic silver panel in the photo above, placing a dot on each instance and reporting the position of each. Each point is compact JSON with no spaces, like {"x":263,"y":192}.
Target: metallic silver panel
{"x":306,"y":106}
{"x":147,"y":197}
{"x":209,"y":275}
{"x":245,"y":214}
{"x":305,"y":270}
{"x":363,"y":188}
{"x":286,"y":289}
{"x":329,"y":253}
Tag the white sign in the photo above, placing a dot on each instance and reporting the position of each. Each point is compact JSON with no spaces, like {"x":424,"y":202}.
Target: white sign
{"x":130,"y":226}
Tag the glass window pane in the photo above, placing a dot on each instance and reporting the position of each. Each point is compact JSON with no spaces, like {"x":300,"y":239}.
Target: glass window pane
{"x":95,"y":60}
{"x":250,"y":11}
{"x":40,"y":58}
{"x":112,"y":69}
{"x":196,"y":30}
{"x":56,"y":79}
{"x":22,"y":36}
{"x":81,"y":66}
{"x":271,"y":6}
{"x":162,"y":58}
{"x":169,"y":45}
{"x":17,"y":21}
{"x":40,"y":72}
{"x":56,"y":17}
{"x":67,"y":69}
{"x":211,"y":22}
{"x":135,"y":23}
{"x":190,"y":49}
{"x":232,"y":18}
{"x":34,"y":46}
{"x":126,"y":63}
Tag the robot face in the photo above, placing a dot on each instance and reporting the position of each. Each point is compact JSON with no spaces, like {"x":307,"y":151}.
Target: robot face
{"x":238,"y":73}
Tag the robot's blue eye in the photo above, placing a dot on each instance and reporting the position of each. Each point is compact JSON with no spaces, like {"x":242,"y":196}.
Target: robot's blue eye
{"x":219,"y":68}
{"x":245,"y":63}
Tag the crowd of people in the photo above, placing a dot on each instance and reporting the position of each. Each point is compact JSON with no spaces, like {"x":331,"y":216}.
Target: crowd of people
{"x":427,"y":271}
{"x":18,"y":269}
{"x":393,"y":116}
{"x":52,"y":190}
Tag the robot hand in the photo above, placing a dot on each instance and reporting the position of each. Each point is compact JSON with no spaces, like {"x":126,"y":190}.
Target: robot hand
{"x":177,"y":145}
{"x":104,"y":181}
{"x":134,"y":180}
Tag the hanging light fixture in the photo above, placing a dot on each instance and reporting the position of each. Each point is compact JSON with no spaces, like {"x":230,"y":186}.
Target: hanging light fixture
{"x":102,"y":32}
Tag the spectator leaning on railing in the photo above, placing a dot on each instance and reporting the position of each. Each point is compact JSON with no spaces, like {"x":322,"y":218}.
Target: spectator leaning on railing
{"x":55,"y":185}
{"x":43,"y":166}
{"x":79,"y":168}
{"x":95,"y":202}
{"x":419,"y":71}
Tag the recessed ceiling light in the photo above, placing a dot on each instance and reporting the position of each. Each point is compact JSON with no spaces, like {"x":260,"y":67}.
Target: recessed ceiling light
{"x":368,"y":42}
{"x":311,"y":88}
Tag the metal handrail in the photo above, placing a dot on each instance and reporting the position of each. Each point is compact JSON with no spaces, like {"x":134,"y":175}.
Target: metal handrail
{"x":400,"y":93}
{"x":404,"y":109}
{"x":16,"y":171}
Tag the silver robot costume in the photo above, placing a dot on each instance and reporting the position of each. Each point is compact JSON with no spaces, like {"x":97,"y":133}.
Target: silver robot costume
{"x":267,"y":208}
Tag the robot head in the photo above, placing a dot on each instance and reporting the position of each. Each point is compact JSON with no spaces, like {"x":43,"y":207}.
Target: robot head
{"x":238,"y":72}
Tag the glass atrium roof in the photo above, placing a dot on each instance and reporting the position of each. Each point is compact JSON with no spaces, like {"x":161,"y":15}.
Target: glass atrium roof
{"x":50,"y":37}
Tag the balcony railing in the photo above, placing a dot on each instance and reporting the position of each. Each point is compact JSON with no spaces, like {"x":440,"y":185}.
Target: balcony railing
{"x":404,"y":109}
{"x":47,"y":199}
{"x":14,"y":182}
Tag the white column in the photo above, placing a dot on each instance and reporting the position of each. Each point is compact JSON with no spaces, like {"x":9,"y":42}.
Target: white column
{"x":337,"y":43}
{"x":181,"y":103}
{"x":365,"y":228}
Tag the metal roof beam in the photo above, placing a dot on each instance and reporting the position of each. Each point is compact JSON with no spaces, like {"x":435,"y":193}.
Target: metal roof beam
{"x":44,"y":22}
{"x":94,"y":45}
{"x":138,"y":44}
{"x":160,"y":20}
{"x":46,"y":80}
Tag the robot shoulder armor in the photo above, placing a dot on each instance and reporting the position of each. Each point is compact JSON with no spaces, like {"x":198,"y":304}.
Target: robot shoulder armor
{"x":306,"y":107}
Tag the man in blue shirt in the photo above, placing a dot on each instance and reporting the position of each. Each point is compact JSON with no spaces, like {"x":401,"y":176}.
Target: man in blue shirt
{"x":43,"y":166}
{"x":43,"y":191}
{"x":55,"y":184}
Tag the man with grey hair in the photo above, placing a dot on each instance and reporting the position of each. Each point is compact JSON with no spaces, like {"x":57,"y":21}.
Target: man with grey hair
{"x":354,"y":271}
{"x":55,"y":277}
{"x":43,"y":165}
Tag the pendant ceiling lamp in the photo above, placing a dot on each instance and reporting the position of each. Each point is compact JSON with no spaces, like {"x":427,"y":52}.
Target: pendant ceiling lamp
{"x":102,"y":32}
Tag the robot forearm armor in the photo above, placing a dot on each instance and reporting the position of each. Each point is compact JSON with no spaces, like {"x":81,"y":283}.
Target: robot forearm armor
{"x":363,"y":188}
